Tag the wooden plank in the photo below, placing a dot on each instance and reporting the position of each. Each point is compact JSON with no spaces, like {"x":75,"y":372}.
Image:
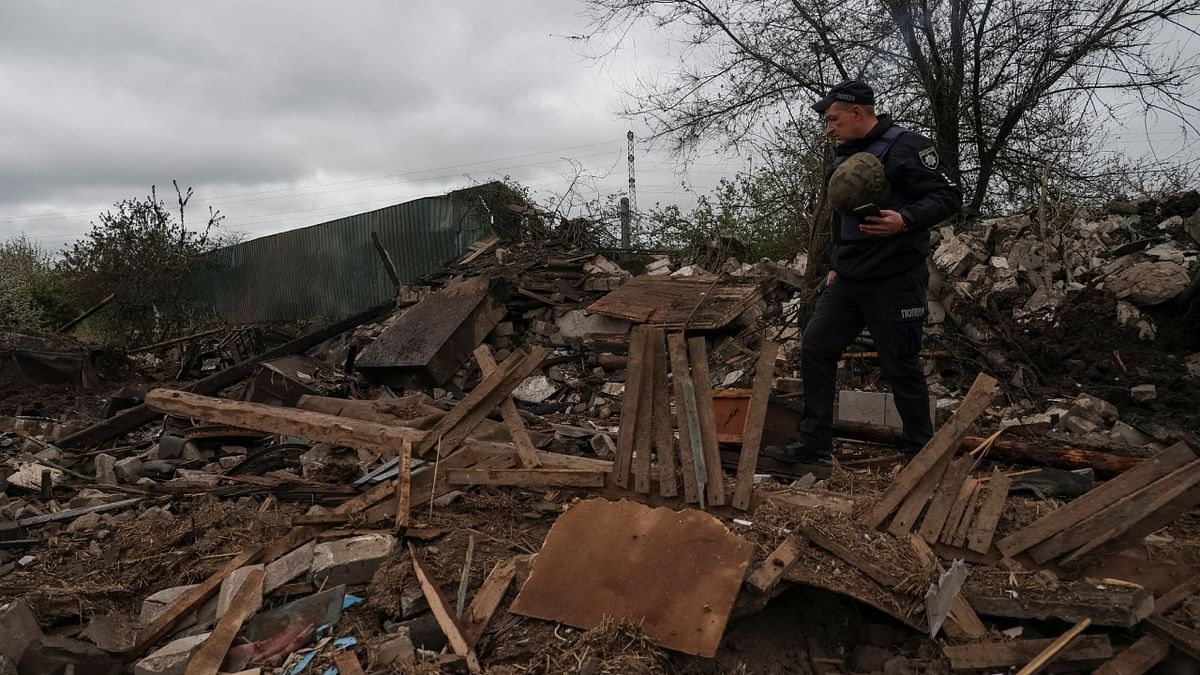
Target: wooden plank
{"x":664,"y":432}
{"x":442,"y":613}
{"x":868,"y":567}
{"x":1184,"y":639}
{"x":509,"y":413}
{"x":450,"y":431}
{"x":534,"y":478}
{"x":756,"y":415}
{"x":1171,"y":504}
{"x":1088,"y":650}
{"x":488,"y":598}
{"x":1111,"y":605}
{"x":916,"y":501}
{"x":702,"y":381}
{"x":963,"y":618}
{"x":315,"y":426}
{"x":945,"y":441}
{"x":630,"y":404}
{"x":479,"y":248}
{"x":681,"y":373}
{"x":959,"y":510}
{"x":431,"y":484}
{"x":347,"y":663}
{"x":984,"y":528}
{"x":643,"y":434}
{"x":944,"y":497}
{"x":1118,"y":517}
{"x":812,"y":498}
{"x":1138,"y":658}
{"x":388,"y":265}
{"x":1054,"y":650}
{"x":1176,"y":596}
{"x":1103,"y":496}
{"x":404,"y":488}
{"x":767,"y":576}
{"x":964,"y":526}
{"x":208,"y":657}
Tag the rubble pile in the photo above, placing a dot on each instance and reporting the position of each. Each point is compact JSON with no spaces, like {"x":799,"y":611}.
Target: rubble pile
{"x":545,"y":458}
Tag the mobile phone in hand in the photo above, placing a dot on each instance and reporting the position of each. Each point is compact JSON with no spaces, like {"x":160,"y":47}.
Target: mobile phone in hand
{"x":867,"y":211}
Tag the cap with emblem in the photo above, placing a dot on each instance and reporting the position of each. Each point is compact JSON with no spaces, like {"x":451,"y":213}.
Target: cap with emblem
{"x":852,"y":91}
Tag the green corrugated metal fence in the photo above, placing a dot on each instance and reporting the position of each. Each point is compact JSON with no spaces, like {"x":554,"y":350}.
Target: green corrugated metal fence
{"x":332,"y":270}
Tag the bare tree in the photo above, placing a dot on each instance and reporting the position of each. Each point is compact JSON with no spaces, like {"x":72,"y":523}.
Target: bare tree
{"x":1004,"y":86}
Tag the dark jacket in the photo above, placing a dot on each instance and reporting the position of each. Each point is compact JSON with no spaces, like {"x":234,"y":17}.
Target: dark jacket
{"x":924,"y":195}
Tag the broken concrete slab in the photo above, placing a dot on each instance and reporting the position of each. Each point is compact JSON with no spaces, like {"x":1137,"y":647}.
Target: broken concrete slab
{"x":128,"y":470}
{"x":1143,"y":392}
{"x":397,"y":651}
{"x":577,"y":323}
{"x":113,"y":633}
{"x":54,"y":655}
{"x":105,"y":473}
{"x":1150,"y":283}
{"x":157,"y":603}
{"x":19,"y":627}
{"x":535,"y":389}
{"x":433,"y":339}
{"x":352,"y":560}
{"x":676,"y":573}
{"x":171,"y":659}
{"x":291,"y":566}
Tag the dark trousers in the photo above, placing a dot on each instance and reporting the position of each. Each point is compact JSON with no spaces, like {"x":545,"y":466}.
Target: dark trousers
{"x":894,"y":309}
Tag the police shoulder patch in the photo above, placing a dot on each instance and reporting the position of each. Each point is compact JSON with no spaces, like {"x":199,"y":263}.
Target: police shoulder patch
{"x":929,"y":157}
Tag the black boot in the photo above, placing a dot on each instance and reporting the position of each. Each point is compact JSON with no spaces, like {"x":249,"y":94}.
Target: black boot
{"x":798,"y":451}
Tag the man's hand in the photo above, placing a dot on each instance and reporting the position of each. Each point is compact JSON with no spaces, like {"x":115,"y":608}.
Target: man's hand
{"x":887,"y":224}
{"x":829,"y":278}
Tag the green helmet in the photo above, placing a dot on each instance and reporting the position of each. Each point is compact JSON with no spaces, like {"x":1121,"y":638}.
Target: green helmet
{"x":858,"y":181}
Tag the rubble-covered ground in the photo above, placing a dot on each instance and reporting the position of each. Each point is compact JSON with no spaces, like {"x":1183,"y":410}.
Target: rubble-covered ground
{"x":1087,"y":320}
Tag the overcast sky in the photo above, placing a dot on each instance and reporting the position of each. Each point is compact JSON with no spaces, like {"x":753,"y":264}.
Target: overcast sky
{"x":285,"y":114}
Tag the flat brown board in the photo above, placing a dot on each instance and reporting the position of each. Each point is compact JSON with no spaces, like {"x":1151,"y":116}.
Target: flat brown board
{"x":347,"y":663}
{"x":1138,"y":658}
{"x":1083,"y":652}
{"x":756,"y":416}
{"x":916,"y":501}
{"x":442,"y":612}
{"x":676,"y":573}
{"x":694,"y":303}
{"x":664,"y":431}
{"x":979,"y":539}
{"x":509,"y":413}
{"x":314,"y":426}
{"x":1173,"y":503}
{"x":1114,"y":520}
{"x":630,"y":405}
{"x":1097,"y":499}
{"x":643,"y":437}
{"x":702,"y":381}
{"x":1180,"y":637}
{"x":487,"y":600}
{"x":945,"y":441}
{"x":680,"y":373}
{"x":944,"y":497}
{"x":767,"y":575}
{"x":962,"y":504}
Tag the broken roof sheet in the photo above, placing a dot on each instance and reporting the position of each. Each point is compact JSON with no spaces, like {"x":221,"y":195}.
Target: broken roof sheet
{"x":693,"y":302}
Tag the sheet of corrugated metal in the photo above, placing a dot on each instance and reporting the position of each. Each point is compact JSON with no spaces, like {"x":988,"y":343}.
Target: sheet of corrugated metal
{"x":332,"y":270}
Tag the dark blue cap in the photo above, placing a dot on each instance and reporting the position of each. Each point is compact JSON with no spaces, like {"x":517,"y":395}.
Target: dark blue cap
{"x":854,"y":92}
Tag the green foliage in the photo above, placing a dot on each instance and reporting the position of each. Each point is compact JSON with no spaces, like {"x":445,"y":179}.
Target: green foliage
{"x":146,"y":256}
{"x":26,"y":272}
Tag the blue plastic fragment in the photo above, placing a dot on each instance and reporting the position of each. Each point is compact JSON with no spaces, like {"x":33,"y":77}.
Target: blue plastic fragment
{"x":351,"y":600}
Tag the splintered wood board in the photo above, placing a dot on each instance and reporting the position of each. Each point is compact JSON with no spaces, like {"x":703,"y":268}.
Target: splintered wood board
{"x":694,"y":303}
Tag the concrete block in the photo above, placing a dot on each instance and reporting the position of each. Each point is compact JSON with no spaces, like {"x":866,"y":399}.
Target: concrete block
{"x":397,"y":651}
{"x":352,"y":560}
{"x":1080,"y":425}
{"x":157,"y":603}
{"x":289,"y":567}
{"x":233,"y":584}
{"x":105,"y":469}
{"x":19,"y":628}
{"x":1144,"y":392}
{"x":1094,"y":408}
{"x":54,"y":655}
{"x":578,"y":323}
{"x":128,"y":470}
{"x":1129,"y":435}
{"x":171,"y":659}
{"x":868,"y":407}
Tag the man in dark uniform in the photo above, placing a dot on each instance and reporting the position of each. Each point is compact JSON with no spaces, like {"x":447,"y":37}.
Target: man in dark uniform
{"x":878,"y":275}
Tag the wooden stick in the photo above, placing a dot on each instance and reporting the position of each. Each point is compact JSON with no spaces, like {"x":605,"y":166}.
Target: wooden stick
{"x":702,"y":381}
{"x":1050,"y":653}
{"x":756,"y":416}
{"x":630,"y":405}
{"x":527,"y":477}
{"x":767,"y":576}
{"x":441,"y":612}
{"x":207,"y":659}
{"x":945,"y":441}
{"x":874,"y":572}
{"x":664,"y":432}
{"x":404,"y":488}
{"x":643,"y":433}
{"x":681,"y":373}
{"x":465,"y":579}
{"x":510,"y":414}
{"x":488,"y":598}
